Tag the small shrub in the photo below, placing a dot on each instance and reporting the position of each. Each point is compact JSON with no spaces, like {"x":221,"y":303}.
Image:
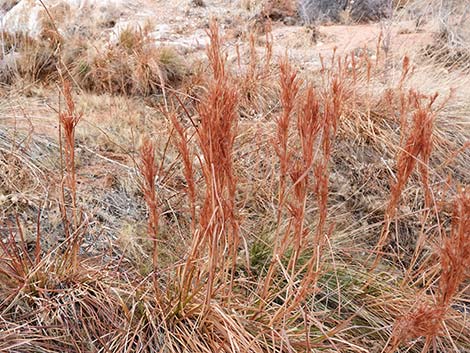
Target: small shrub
{"x":312,"y":11}
{"x":28,"y":58}
{"x":371,"y":10}
{"x":135,"y":66}
{"x":278,"y":9}
{"x":450,"y":51}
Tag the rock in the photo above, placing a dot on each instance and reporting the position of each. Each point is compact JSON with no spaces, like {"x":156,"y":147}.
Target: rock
{"x":161,"y":32}
{"x":26,"y":16}
{"x":30,"y":17}
{"x":7,"y":5}
{"x":313,"y":11}
{"x":289,"y":21}
{"x":371,"y":10}
{"x":198,"y":3}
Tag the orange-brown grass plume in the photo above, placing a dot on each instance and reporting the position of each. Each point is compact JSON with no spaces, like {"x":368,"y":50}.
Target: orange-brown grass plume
{"x":186,"y":156}
{"x":308,"y":126}
{"x":290,"y":85}
{"x":68,"y":123}
{"x":148,"y":170}
{"x":428,"y":319}
{"x":323,"y":124}
{"x":218,"y":224}
{"x":417,"y":149}
{"x":455,"y":252}
{"x":425,"y":321}
{"x":316,"y":129}
{"x":17,"y":264}
{"x":333,"y":97}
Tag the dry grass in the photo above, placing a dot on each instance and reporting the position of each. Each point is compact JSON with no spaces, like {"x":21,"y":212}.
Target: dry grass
{"x":133,"y":66}
{"x":428,"y":320}
{"x":148,"y":170}
{"x":416,"y":149}
{"x":259,"y":227}
{"x":27,"y":59}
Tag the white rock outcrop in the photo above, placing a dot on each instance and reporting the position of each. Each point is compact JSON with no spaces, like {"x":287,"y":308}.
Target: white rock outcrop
{"x":30,"y":16}
{"x":25,"y":17}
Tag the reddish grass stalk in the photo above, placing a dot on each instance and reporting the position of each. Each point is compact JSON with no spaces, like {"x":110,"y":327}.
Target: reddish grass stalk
{"x":427,"y":320}
{"x":417,"y":144}
{"x":68,"y":122}
{"x":183,"y":148}
{"x":427,"y":120}
{"x":214,"y":52}
{"x":332,"y":111}
{"x":308,"y":126}
{"x":317,"y":129}
{"x":406,"y":68}
{"x":290,"y":86}
{"x":16,"y":262}
{"x":148,"y":170}
{"x":333,"y":98}
{"x":455,"y":252}
{"x":216,"y":136}
{"x":268,"y":48}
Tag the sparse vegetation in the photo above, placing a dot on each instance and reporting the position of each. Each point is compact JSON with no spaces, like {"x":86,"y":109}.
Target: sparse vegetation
{"x":250,"y":204}
{"x":133,"y":66}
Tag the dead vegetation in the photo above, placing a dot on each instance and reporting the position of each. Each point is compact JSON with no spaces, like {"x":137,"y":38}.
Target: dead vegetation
{"x":258,"y":208}
{"x":132,"y":66}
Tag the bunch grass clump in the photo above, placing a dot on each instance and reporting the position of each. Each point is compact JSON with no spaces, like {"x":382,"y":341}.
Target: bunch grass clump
{"x":134,"y":66}
{"x":258,"y":232}
{"x":428,"y":319}
{"x":26,"y":59}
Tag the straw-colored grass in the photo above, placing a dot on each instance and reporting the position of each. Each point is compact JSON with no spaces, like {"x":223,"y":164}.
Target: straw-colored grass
{"x":259,"y":229}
